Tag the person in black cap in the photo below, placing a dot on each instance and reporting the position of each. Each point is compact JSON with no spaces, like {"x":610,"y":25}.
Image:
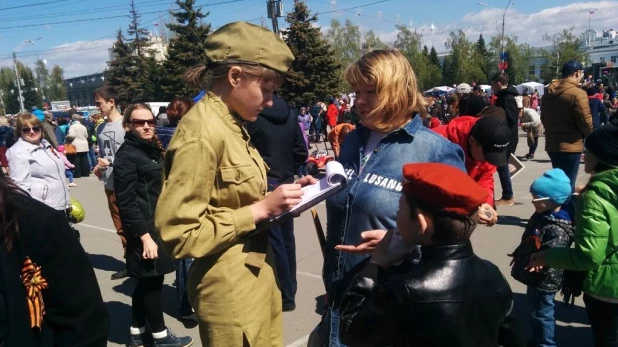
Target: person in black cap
{"x":485,"y":141}
{"x":566,"y":116}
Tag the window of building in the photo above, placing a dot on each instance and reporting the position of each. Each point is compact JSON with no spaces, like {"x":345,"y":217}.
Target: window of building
{"x":614,"y":58}
{"x":602,"y":60}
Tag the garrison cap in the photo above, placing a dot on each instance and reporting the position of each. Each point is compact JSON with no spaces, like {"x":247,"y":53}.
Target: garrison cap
{"x":242,"y":42}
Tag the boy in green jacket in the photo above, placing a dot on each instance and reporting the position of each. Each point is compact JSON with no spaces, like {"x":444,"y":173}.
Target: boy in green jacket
{"x":596,"y":237}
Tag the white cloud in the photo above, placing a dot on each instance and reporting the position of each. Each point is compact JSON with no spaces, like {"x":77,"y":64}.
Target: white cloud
{"x":76,"y":58}
{"x":529,"y":28}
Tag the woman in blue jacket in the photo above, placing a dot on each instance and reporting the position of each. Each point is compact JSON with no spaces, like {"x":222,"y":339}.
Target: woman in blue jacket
{"x":390,"y":134}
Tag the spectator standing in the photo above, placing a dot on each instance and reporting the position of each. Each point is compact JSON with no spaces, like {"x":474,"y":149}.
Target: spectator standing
{"x":68,"y":167}
{"x":279,"y":140}
{"x":35,"y":166}
{"x":162,"y":117}
{"x":78,"y":137}
{"x":49,"y":129}
{"x":34,"y":235}
{"x":566,"y":117}
{"x":530,"y":123}
{"x":596,"y":107}
{"x":110,"y":136}
{"x":176,"y":109}
{"x":596,"y":237}
{"x":506,"y":99}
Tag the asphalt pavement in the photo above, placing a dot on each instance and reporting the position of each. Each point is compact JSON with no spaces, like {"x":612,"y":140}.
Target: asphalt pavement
{"x":105,"y":251}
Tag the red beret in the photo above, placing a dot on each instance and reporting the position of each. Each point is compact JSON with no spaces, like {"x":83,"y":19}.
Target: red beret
{"x":443,"y":187}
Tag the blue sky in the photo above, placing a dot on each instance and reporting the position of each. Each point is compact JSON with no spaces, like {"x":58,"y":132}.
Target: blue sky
{"x":71,"y":39}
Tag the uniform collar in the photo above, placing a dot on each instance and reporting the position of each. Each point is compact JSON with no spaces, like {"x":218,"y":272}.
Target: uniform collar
{"x":234,"y":122}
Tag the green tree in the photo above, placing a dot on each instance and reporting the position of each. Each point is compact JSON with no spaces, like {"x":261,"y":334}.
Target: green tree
{"x":42,"y":75}
{"x":185,"y":49}
{"x":7,"y":84}
{"x":408,"y":43}
{"x":426,"y":51}
{"x":433,"y":57}
{"x":32,"y":96}
{"x":518,"y":56}
{"x":316,"y":73}
{"x":120,"y":69}
{"x":372,"y":42}
{"x":464,"y":64}
{"x":56,"y":89}
{"x":345,"y":41}
{"x":565,"y":46}
{"x":140,"y":82}
{"x":483,"y":58}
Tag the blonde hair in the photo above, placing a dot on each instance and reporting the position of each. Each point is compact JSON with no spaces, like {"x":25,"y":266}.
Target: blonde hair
{"x":203,"y":77}
{"x":23,"y":119}
{"x":4,"y":121}
{"x":395,"y":84}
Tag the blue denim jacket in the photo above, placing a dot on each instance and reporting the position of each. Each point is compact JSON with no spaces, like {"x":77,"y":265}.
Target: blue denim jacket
{"x":371,"y":199}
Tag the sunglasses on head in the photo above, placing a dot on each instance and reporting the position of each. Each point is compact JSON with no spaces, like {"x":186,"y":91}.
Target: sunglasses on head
{"x":27,"y":130}
{"x":142,"y":122}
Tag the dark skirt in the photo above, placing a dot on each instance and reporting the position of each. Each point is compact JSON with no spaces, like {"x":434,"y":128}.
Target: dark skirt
{"x":137,"y":267}
{"x":82,"y":166}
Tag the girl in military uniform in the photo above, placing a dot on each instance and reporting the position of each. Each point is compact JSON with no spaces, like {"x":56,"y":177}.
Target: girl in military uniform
{"x":214,"y":190}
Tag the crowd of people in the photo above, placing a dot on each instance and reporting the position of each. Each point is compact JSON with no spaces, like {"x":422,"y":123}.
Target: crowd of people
{"x":201,"y":186}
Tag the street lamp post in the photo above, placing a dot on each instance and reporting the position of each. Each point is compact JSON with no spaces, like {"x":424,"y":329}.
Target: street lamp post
{"x":20,"y":97}
{"x":502,"y":39}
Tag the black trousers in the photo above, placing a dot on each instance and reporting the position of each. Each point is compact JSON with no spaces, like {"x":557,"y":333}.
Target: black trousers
{"x":603,"y":317}
{"x":284,"y":247}
{"x":147,"y":304}
{"x":82,"y":167}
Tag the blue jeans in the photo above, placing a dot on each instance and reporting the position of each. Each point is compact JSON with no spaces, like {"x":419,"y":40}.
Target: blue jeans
{"x":69,"y":175}
{"x":567,"y":162}
{"x":541,"y":314}
{"x":182,"y":274}
{"x":283,"y":244}
{"x":505,"y":182}
{"x":92,"y":159}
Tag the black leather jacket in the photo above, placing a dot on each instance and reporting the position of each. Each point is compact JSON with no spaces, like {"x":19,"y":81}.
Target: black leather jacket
{"x":452,"y":298}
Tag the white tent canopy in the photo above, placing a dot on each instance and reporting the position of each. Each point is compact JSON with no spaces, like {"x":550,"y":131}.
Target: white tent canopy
{"x":485,"y":88}
{"x":442,"y":89}
{"x":530,"y":87}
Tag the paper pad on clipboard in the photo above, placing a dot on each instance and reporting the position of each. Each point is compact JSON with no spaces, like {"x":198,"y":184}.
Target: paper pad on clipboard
{"x":334,"y":181}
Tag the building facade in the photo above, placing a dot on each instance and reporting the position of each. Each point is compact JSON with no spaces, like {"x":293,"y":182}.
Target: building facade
{"x":80,"y":89}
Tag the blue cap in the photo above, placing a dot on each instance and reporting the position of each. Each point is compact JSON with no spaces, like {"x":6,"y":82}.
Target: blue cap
{"x":570,"y":67}
{"x":553,"y":185}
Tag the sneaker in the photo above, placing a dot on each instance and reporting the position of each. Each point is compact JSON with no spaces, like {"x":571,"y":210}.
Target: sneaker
{"x":73,"y":184}
{"x":172,"y":340}
{"x":120,"y":275}
{"x":142,"y":340}
{"x":505,"y":202}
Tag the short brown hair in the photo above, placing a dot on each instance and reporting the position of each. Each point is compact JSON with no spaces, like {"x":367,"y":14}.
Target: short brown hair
{"x":177,"y":108}
{"x":23,"y":119}
{"x":107,"y":93}
{"x":501,"y":77}
{"x":449,"y":227}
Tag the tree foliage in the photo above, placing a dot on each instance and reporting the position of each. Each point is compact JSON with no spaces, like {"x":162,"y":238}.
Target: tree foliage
{"x":120,"y":68}
{"x":465,"y":64}
{"x":372,"y":42}
{"x":408,"y":43}
{"x":185,"y":49}
{"x":316,"y":73}
{"x":42,"y":75}
{"x":519,"y":59}
{"x":345,"y":40}
{"x":565,"y":46}
{"x":56,"y":90}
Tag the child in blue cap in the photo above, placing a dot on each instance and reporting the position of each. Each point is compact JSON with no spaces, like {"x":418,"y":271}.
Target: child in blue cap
{"x":550,"y":226}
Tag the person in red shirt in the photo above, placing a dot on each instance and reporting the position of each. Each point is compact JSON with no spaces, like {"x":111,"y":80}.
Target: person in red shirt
{"x":484,"y":141}
{"x":331,"y":114}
